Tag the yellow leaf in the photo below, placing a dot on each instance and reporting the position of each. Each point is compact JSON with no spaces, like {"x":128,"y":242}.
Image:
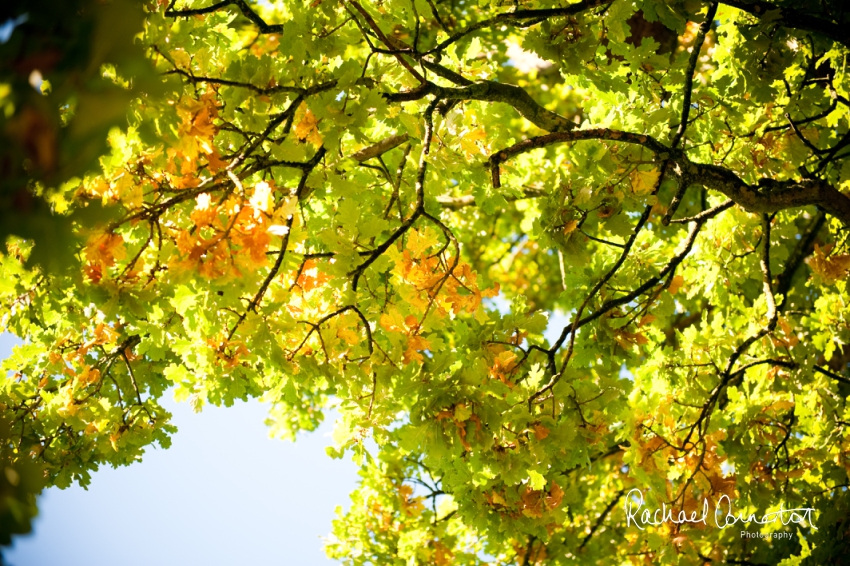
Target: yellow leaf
{"x":477,"y":134}
{"x":181,"y":58}
{"x":307,"y":129}
{"x":676,"y":284}
{"x":196,"y":132}
{"x":570,"y":226}
{"x":473,"y":144}
{"x":393,"y":321}
{"x":643,"y":182}
{"x":286,"y":209}
{"x":128,"y":191}
{"x":830,"y":268}
{"x":113,"y":440}
{"x":420,"y":240}
{"x":347,"y":331}
{"x":348,"y":335}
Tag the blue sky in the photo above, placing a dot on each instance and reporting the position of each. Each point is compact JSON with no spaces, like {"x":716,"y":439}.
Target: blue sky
{"x":223,"y":494}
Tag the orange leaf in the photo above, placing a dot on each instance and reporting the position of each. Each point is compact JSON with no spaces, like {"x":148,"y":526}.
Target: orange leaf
{"x":415,"y":344}
{"x":676,"y":284}
{"x":556,"y":495}
{"x":540,"y":431}
{"x":88,"y":376}
{"x":626,"y":338}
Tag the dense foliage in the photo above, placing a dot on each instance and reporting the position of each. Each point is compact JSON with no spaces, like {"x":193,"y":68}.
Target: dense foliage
{"x":382,"y":206}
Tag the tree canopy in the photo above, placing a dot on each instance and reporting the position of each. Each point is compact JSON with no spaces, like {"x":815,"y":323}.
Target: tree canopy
{"x":380,"y":206}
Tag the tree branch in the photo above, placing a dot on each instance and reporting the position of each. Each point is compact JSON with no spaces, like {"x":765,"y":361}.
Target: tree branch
{"x":601,"y":518}
{"x":713,"y":211}
{"x":456,"y":203}
{"x":689,"y":74}
{"x":832,"y":375}
{"x":247,"y":11}
{"x":519,"y":16}
{"x":768,"y":197}
{"x":254,"y":88}
{"x":528,"y":108}
{"x":379,"y":148}
{"x":490,"y":91}
{"x":795,"y":19}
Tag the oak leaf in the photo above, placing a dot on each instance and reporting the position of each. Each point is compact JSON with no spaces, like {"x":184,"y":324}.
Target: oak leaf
{"x":830,"y":268}
{"x":644,"y":182}
{"x":307,"y":129}
{"x":676,"y":284}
